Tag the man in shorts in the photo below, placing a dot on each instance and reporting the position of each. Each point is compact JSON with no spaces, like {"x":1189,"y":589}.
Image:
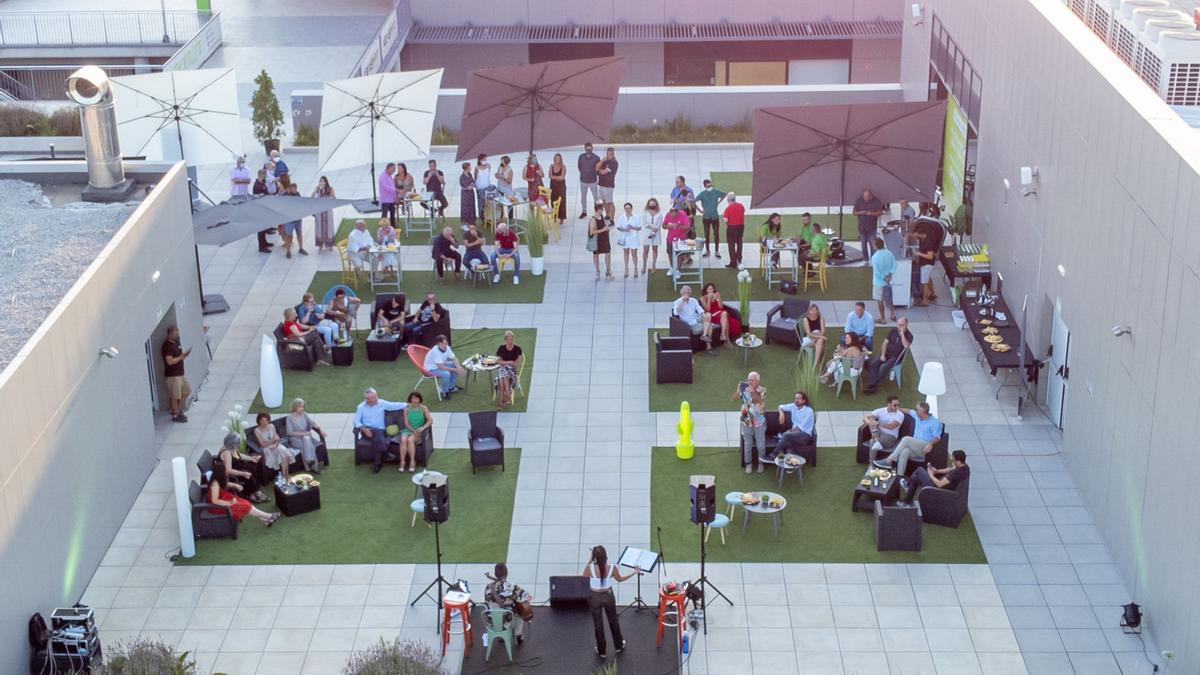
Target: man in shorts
{"x":689,"y":311}
{"x":177,"y":384}
{"x":606,"y":172}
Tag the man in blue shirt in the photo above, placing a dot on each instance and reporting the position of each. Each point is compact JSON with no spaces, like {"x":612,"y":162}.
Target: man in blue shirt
{"x":281,"y":167}
{"x":883,"y":266}
{"x":804,"y":422}
{"x":927,"y":431}
{"x":369,"y":419}
{"x":861,"y":323}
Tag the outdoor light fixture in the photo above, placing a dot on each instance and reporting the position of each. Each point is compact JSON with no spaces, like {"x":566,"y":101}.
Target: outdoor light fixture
{"x":918,"y":14}
{"x":1029,"y":176}
{"x":932,"y":384}
{"x":1131,"y":620}
{"x":110,"y":352}
{"x":1119,"y":330}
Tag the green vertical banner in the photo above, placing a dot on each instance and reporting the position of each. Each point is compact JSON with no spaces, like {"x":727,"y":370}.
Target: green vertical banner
{"x":954,"y":156}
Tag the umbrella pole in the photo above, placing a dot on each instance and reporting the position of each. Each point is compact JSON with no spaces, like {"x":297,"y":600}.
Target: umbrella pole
{"x":374,"y":180}
{"x":209,"y":304}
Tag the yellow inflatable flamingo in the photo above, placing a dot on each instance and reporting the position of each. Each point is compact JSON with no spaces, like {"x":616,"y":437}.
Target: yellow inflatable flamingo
{"x":684,"y":446}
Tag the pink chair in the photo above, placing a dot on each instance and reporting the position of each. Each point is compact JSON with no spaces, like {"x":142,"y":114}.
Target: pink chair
{"x":416,"y":354}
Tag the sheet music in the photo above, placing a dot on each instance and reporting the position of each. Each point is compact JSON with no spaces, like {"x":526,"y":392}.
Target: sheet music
{"x":638,"y":558}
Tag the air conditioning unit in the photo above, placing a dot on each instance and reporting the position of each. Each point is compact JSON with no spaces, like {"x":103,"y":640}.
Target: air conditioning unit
{"x":1141,"y":17}
{"x":1150,"y":64}
{"x":1179,"y":78}
{"x":1123,"y":34}
{"x":1100,"y":15}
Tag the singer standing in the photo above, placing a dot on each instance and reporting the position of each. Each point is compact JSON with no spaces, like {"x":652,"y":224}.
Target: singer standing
{"x":602,"y":601}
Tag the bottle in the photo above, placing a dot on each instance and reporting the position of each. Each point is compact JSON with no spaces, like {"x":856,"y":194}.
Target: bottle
{"x":685,"y":643}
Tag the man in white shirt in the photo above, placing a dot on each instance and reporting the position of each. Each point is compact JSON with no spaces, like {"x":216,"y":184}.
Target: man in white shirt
{"x":804,"y":422}
{"x":443,"y":364}
{"x":359,"y":244}
{"x":239,"y":179}
{"x":884,"y":424}
{"x":689,"y":311}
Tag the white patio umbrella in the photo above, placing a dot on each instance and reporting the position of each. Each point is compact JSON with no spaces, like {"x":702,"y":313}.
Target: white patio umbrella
{"x":188,"y":114}
{"x":390,"y":111}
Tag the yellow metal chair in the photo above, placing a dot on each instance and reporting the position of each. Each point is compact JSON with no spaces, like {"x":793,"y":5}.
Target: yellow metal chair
{"x":814,"y":272}
{"x":349,"y":270}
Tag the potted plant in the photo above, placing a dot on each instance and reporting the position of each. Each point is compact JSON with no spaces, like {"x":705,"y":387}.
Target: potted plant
{"x":535,"y":238}
{"x":265,"y":113}
{"x":743,"y":283}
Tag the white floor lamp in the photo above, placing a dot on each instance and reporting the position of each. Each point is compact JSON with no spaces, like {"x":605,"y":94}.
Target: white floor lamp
{"x":932,"y":384}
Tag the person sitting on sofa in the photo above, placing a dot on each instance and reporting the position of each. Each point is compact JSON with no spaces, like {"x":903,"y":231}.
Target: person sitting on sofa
{"x":428,"y":313}
{"x":242,"y":468}
{"x":927,"y":431}
{"x":884,"y":424}
{"x":310,"y":313}
{"x":506,"y":247}
{"x":391,"y":315}
{"x":804,"y":422}
{"x":370,"y":420}
{"x":689,"y":311}
{"x":850,"y":348}
{"x":294,"y":329}
{"x":861,"y":323}
{"x":277,"y":455}
{"x":300,"y":427}
{"x":710,"y":301}
{"x":416,"y":420}
{"x":219,"y":495}
{"x":343,"y":309}
{"x":942,"y":478}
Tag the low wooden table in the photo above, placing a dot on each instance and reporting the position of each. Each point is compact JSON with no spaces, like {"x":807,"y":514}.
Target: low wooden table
{"x":888,"y":491}
{"x":293,"y":500}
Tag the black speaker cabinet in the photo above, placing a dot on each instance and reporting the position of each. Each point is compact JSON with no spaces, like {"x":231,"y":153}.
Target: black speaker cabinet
{"x":569,"y":591}
{"x":704,"y":498}
{"x":435,"y":490}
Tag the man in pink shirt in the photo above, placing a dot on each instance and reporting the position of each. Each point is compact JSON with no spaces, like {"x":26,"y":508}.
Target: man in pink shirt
{"x":387,"y":193}
{"x":735,"y":227}
{"x":677,"y":225}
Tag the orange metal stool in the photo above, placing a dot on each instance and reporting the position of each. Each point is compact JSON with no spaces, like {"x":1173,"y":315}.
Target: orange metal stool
{"x":671,"y":603}
{"x":456,"y":601}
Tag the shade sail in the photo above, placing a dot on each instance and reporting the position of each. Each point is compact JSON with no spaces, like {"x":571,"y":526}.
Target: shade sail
{"x":229,"y":221}
{"x":826,"y":155}
{"x":186,"y":114}
{"x":541,"y":105}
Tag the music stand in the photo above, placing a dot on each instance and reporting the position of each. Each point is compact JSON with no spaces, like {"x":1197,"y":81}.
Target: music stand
{"x":645,"y":561}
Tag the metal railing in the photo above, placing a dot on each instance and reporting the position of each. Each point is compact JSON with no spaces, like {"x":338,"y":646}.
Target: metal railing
{"x":49,"y":83}
{"x":87,"y":29}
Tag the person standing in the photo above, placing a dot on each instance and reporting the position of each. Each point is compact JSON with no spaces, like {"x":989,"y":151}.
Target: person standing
{"x":533,"y":175}
{"x":467,"y":188}
{"x":599,"y":227}
{"x":280,"y":167}
{"x":587,"y":178}
{"x":683,"y":198}
{"x":677,"y":225}
{"x":735,"y":229}
{"x":709,"y":201}
{"x":601,"y":600}
{"x":629,"y":227}
{"x":369,"y":420}
{"x":177,"y":383}
{"x":883,"y":266}
{"x":483,"y":182}
{"x":239,"y":179}
{"x":606,"y":172}
{"x":262,"y":188}
{"x":435,"y":184}
{"x":387,"y":192}
{"x":927,"y":253}
{"x":325,"y":218}
{"x":558,"y":187}
{"x":752,"y":420}
{"x":868,"y":208}
{"x":652,"y":222}
{"x":293,"y":229}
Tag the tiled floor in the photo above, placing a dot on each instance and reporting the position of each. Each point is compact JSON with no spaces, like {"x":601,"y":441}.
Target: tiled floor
{"x":1047,"y":602}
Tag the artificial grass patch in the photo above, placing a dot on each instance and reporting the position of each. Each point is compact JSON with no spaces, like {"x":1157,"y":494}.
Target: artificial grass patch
{"x":737,"y":182}
{"x":817,"y":524}
{"x":338,"y":389}
{"x":714,"y":379}
{"x":844,"y":283}
{"x":365,"y":518}
{"x":416,"y":283}
{"x":408,"y":238}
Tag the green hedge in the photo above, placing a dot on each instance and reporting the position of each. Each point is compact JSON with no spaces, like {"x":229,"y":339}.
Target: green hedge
{"x":19,"y":120}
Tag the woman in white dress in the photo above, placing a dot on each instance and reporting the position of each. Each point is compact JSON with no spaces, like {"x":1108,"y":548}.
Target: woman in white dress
{"x":629,"y":227}
{"x":385,"y":235}
{"x":277,"y":455}
{"x":652,"y":220}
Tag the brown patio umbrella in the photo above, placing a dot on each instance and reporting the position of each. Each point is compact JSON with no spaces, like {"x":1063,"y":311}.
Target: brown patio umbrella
{"x":539,"y":105}
{"x":824,"y":155}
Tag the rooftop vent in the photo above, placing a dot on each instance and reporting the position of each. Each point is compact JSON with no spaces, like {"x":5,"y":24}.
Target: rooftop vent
{"x":90,"y":88}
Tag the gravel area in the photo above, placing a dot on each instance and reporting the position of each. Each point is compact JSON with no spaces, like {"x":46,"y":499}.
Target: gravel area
{"x":43,"y":250}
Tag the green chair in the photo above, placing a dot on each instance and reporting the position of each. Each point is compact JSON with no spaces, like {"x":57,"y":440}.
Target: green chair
{"x":843,"y":375}
{"x":806,"y":353}
{"x":498,"y":623}
{"x":897,"y":370}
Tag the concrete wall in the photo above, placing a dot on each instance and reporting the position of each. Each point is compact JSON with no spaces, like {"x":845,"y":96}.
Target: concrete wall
{"x":643,"y":64}
{"x":459,"y":60}
{"x":545,"y":12}
{"x":875,"y":61}
{"x":1118,"y":196}
{"x":78,"y":428}
{"x":704,"y":105}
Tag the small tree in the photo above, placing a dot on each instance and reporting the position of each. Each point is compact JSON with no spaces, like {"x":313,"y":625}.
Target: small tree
{"x":265,"y":113}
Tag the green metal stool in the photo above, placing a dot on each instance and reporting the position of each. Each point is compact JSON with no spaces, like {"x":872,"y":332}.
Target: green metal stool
{"x":842,"y":375}
{"x":498,"y":624}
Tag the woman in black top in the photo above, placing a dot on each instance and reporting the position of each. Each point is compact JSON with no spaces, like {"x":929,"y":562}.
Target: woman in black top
{"x":772,"y":229}
{"x":598,"y":227}
{"x":242,"y":469}
{"x":510,"y":361}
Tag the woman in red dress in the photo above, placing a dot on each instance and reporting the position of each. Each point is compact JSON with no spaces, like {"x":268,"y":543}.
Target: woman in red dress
{"x":710,"y":300}
{"x":219,"y":495}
